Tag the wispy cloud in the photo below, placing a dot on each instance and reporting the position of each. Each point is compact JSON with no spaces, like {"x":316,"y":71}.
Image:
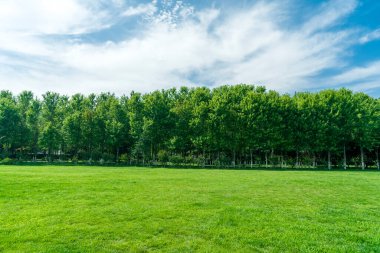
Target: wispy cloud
{"x":371,"y":36}
{"x":360,"y":73}
{"x":329,"y":14}
{"x":364,"y":78}
{"x":141,"y":9}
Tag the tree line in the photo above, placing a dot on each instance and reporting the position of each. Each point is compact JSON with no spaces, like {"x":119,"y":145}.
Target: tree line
{"x":240,"y":125}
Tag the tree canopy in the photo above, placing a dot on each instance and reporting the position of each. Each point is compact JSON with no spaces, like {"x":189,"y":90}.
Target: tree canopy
{"x":240,"y":125}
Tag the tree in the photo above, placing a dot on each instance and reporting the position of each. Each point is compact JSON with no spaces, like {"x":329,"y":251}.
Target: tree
{"x":181,"y":111}
{"x":24,"y":102}
{"x":254,"y":120}
{"x":199,"y":123}
{"x":10,"y":121}
{"x":51,"y":137}
{"x":376,"y":132}
{"x":73,"y":125}
{"x":232,"y":125}
{"x":89,"y":127}
{"x":33,"y":124}
{"x":112,"y":122}
{"x":136,"y":122}
{"x":345,"y":109}
{"x":226,"y":119}
{"x":364,"y":123}
{"x":329,"y":126}
{"x":157,"y":121}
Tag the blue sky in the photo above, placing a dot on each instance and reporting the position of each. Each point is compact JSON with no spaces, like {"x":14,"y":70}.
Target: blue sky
{"x":90,"y":46}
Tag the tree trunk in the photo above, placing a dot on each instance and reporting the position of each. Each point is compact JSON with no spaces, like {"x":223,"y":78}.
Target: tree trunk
{"x":49,"y":155}
{"x":251,"y":159}
{"x":344,"y":157}
{"x":266,"y":159}
{"x":117,"y":155}
{"x":297,"y":159}
{"x":377,"y":159}
{"x":34,"y":154}
{"x":329,"y":159}
{"x":151,"y":150}
{"x":204,"y":157}
{"x":362,"y":157}
{"x":90,"y":150}
{"x":314,"y":161}
{"x":234,"y":158}
{"x":271,"y":156}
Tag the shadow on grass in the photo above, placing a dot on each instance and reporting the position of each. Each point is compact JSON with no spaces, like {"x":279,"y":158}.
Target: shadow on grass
{"x":127,"y":165}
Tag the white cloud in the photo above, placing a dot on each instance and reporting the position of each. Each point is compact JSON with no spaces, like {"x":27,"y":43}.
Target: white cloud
{"x":47,"y":17}
{"x":360,"y":73}
{"x":175,"y":42}
{"x":374,"y":35}
{"x":329,"y":14}
{"x":146,"y":9}
{"x":362,"y":78}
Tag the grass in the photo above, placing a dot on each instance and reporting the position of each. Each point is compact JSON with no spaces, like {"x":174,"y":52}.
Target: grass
{"x":97,"y":209}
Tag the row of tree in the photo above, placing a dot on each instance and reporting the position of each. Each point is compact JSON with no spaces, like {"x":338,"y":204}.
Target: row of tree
{"x":241,"y":125}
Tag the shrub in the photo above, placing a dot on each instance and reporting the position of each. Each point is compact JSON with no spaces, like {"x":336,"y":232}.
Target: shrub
{"x":163,"y":156}
{"x":96,"y":155}
{"x":124,"y":158}
{"x":200,"y":160}
{"x":222,"y":160}
{"x":190,"y":159}
{"x":7,"y":160}
{"x":176,"y":159}
{"x":74,"y":159}
{"x":108,"y":157}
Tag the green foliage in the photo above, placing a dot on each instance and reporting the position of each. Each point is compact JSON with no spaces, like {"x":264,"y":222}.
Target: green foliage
{"x":107,"y":158}
{"x":7,"y":161}
{"x":176,"y":159}
{"x":241,"y":125}
{"x":163,"y":156}
{"x":124,"y":158}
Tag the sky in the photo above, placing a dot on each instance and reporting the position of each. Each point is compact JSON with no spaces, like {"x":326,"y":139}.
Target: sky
{"x":93,"y":46}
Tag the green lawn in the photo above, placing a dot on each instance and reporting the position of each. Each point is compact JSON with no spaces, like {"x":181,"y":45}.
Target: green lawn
{"x":98,"y":209}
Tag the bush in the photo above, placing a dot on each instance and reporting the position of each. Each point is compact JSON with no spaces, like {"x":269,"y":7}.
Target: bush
{"x":74,"y":159}
{"x":7,"y":160}
{"x":124,"y":158}
{"x":222,"y":160}
{"x":190,"y":159}
{"x":108,"y":157}
{"x":96,"y":155}
{"x":176,"y":159}
{"x":82,"y":155}
{"x":163,"y":156}
{"x":200,"y":160}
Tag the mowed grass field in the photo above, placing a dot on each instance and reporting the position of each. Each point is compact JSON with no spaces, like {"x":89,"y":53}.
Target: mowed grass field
{"x":99,"y":209}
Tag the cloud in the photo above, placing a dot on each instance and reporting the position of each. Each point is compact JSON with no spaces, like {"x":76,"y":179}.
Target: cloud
{"x":37,"y":17}
{"x":175,"y":44}
{"x":329,"y":14}
{"x":146,"y":9}
{"x":362,"y":78}
{"x":374,"y":35}
{"x":360,"y":73}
